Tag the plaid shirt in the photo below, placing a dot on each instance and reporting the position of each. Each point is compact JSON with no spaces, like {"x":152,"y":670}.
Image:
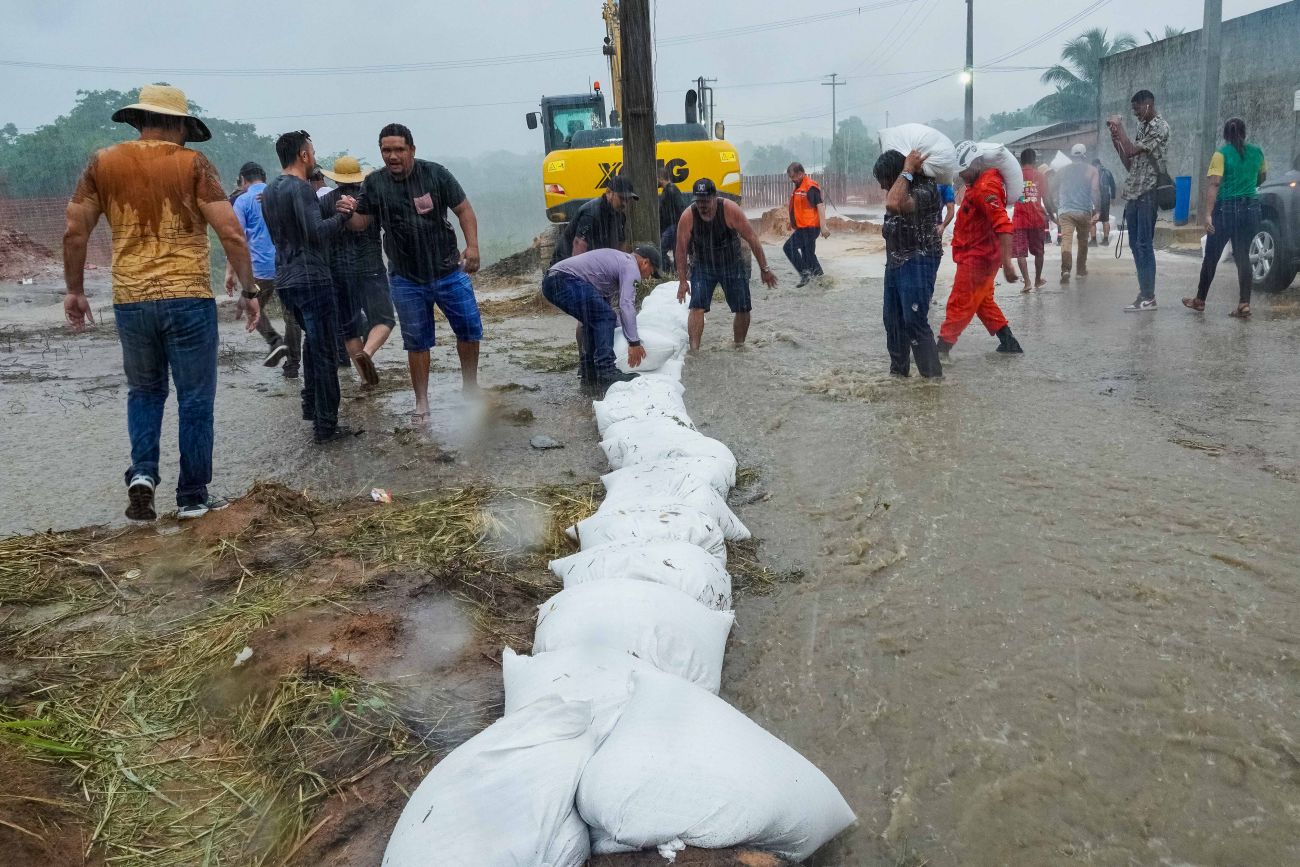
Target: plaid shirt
{"x":917,"y":233}
{"x":1153,"y":139}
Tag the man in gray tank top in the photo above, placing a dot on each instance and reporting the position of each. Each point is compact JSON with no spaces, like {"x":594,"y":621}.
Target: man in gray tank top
{"x":708,"y":237}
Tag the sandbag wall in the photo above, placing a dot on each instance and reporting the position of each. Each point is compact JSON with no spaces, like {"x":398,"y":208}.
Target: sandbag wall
{"x":614,"y":738}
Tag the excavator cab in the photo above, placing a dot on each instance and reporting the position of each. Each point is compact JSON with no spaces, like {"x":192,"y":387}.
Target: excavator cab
{"x":563,"y":118}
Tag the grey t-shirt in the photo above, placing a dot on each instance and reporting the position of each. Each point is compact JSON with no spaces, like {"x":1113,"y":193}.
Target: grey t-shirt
{"x":1074,"y":189}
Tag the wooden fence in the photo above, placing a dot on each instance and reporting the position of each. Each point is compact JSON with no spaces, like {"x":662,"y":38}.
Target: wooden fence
{"x":773,"y":191}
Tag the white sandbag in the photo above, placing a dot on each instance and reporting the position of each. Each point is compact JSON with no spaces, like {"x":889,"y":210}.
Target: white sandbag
{"x":989,"y":155}
{"x":639,"y":441}
{"x":720,"y":475}
{"x":659,"y":625}
{"x":597,"y":675}
{"x":664,"y":320}
{"x":1060,"y":161}
{"x":651,"y":522}
{"x":505,"y":797}
{"x":941,"y":156}
{"x":641,"y":398}
{"x":684,"y":765}
{"x":670,"y":369}
{"x":680,"y":565}
{"x":659,"y":345}
{"x":635,"y":485}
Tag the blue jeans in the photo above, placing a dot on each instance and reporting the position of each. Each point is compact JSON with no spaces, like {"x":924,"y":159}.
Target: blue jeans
{"x":180,"y":335}
{"x":908,"y":290}
{"x":314,"y":309}
{"x":454,"y":295}
{"x":1140,"y":220}
{"x":801,"y":249}
{"x":1235,"y":221}
{"x":596,"y":318}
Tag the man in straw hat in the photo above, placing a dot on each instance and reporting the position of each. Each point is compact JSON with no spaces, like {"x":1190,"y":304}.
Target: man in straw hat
{"x":159,"y":198}
{"x":357,"y":267}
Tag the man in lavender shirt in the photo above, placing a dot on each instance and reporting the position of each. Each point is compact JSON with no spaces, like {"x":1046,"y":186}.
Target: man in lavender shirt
{"x":598,"y":288}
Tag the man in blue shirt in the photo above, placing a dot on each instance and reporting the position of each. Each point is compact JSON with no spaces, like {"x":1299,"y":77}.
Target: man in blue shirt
{"x":248,"y":209}
{"x":948,"y":199}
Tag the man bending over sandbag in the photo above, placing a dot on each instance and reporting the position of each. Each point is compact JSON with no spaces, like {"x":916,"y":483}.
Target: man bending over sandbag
{"x":590,"y":287}
{"x":980,"y":242}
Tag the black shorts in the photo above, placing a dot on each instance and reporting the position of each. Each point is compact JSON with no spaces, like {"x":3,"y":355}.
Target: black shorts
{"x":364,"y":302}
{"x":1104,"y":212}
{"x":735,"y":286}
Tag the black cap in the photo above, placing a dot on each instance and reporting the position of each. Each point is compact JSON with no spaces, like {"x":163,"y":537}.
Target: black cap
{"x":651,"y":254}
{"x":623,"y":186}
{"x":704,"y":188}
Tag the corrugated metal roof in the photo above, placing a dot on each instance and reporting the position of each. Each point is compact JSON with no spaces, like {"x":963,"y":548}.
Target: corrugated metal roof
{"x":1007,"y":136}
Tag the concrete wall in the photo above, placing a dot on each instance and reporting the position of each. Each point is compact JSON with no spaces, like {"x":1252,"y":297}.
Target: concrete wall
{"x":1260,"y":73}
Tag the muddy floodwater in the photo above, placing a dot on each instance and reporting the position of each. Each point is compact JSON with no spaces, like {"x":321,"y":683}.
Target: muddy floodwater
{"x":1048,"y":608}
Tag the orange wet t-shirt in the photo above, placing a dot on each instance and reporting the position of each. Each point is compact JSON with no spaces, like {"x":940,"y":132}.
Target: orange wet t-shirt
{"x":980,"y":219}
{"x":151,"y":193}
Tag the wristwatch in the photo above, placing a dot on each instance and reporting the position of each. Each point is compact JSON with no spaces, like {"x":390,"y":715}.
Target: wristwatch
{"x":910,"y":177}
{"x":634,"y":343}
{"x":249,"y":295}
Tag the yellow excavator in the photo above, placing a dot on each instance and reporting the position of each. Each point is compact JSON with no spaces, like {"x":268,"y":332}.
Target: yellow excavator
{"x":584,"y":145}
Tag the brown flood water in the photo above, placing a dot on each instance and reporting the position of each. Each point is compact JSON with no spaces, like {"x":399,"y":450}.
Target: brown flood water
{"x":1050,"y":607}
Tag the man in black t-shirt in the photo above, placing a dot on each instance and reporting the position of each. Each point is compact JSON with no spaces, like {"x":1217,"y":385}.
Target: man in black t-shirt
{"x":599,"y":224}
{"x":409,"y":199}
{"x":302,"y":276}
{"x":671,"y":205}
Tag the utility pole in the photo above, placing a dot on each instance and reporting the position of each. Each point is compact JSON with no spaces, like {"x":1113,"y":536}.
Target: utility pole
{"x":832,"y":84}
{"x":1209,"y":96}
{"x":639,"y":120}
{"x":969,"y":75}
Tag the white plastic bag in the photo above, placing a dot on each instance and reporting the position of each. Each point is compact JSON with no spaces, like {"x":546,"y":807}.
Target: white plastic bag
{"x":941,"y":156}
{"x":639,"y":441}
{"x":658,"y":624}
{"x":597,"y":675}
{"x":632,"y":486}
{"x":670,"y":370}
{"x":681,"y":565}
{"x":659,"y":345}
{"x":503,"y":798}
{"x":719,"y":474}
{"x":651,"y":522}
{"x":684,"y":765}
{"x":989,"y":155}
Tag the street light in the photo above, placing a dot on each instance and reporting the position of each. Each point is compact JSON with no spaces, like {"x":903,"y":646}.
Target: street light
{"x":965,"y":77}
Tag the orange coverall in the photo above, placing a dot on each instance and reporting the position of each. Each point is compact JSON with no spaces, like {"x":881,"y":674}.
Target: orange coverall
{"x":977,"y":252}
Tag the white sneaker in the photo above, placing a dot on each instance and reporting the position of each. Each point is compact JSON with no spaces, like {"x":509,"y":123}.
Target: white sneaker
{"x":1141,"y":305}
{"x":198,"y":510}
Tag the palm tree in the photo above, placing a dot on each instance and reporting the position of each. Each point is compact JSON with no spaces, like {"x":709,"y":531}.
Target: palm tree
{"x":1170,"y":33}
{"x":1077,"y":78}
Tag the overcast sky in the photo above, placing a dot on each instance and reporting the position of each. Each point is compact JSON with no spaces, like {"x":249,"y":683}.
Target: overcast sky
{"x":767,"y":80}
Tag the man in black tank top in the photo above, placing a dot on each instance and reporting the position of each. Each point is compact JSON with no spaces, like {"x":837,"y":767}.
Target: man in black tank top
{"x":708,"y":237}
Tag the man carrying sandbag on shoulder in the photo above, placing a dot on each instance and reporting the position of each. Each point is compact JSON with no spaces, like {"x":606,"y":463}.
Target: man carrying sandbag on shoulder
{"x":590,"y":287}
{"x":981,"y":242}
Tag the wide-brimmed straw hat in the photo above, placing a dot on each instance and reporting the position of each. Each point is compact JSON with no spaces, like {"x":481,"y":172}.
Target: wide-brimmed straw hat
{"x":347,"y":170}
{"x":162,"y":99}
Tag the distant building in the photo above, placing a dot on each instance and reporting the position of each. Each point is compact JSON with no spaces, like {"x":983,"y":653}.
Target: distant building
{"x":1049,"y":138}
{"x":1259,"y":81}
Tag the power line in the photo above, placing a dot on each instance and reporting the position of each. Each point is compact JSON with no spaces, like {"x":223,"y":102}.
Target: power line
{"x":468,"y":63}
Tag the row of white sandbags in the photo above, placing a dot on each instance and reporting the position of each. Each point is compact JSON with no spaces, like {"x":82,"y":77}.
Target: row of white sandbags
{"x":633,"y":645}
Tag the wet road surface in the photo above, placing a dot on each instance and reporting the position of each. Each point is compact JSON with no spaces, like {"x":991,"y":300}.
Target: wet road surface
{"x":1049,"y":608}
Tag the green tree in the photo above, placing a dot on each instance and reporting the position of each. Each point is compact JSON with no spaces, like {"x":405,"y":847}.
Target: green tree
{"x":1077,"y":78}
{"x":1002,"y":121}
{"x":769,"y":159}
{"x":48,"y":161}
{"x":1169,"y":33}
{"x":854,"y":151}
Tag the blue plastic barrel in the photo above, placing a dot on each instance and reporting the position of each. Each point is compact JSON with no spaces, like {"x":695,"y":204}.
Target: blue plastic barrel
{"x":1182,"y":199}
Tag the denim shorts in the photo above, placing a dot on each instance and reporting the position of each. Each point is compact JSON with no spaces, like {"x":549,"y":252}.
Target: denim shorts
{"x":453,"y":294}
{"x":735,"y":286}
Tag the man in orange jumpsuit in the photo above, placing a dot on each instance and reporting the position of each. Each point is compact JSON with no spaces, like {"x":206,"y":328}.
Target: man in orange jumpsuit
{"x":981,"y":242}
